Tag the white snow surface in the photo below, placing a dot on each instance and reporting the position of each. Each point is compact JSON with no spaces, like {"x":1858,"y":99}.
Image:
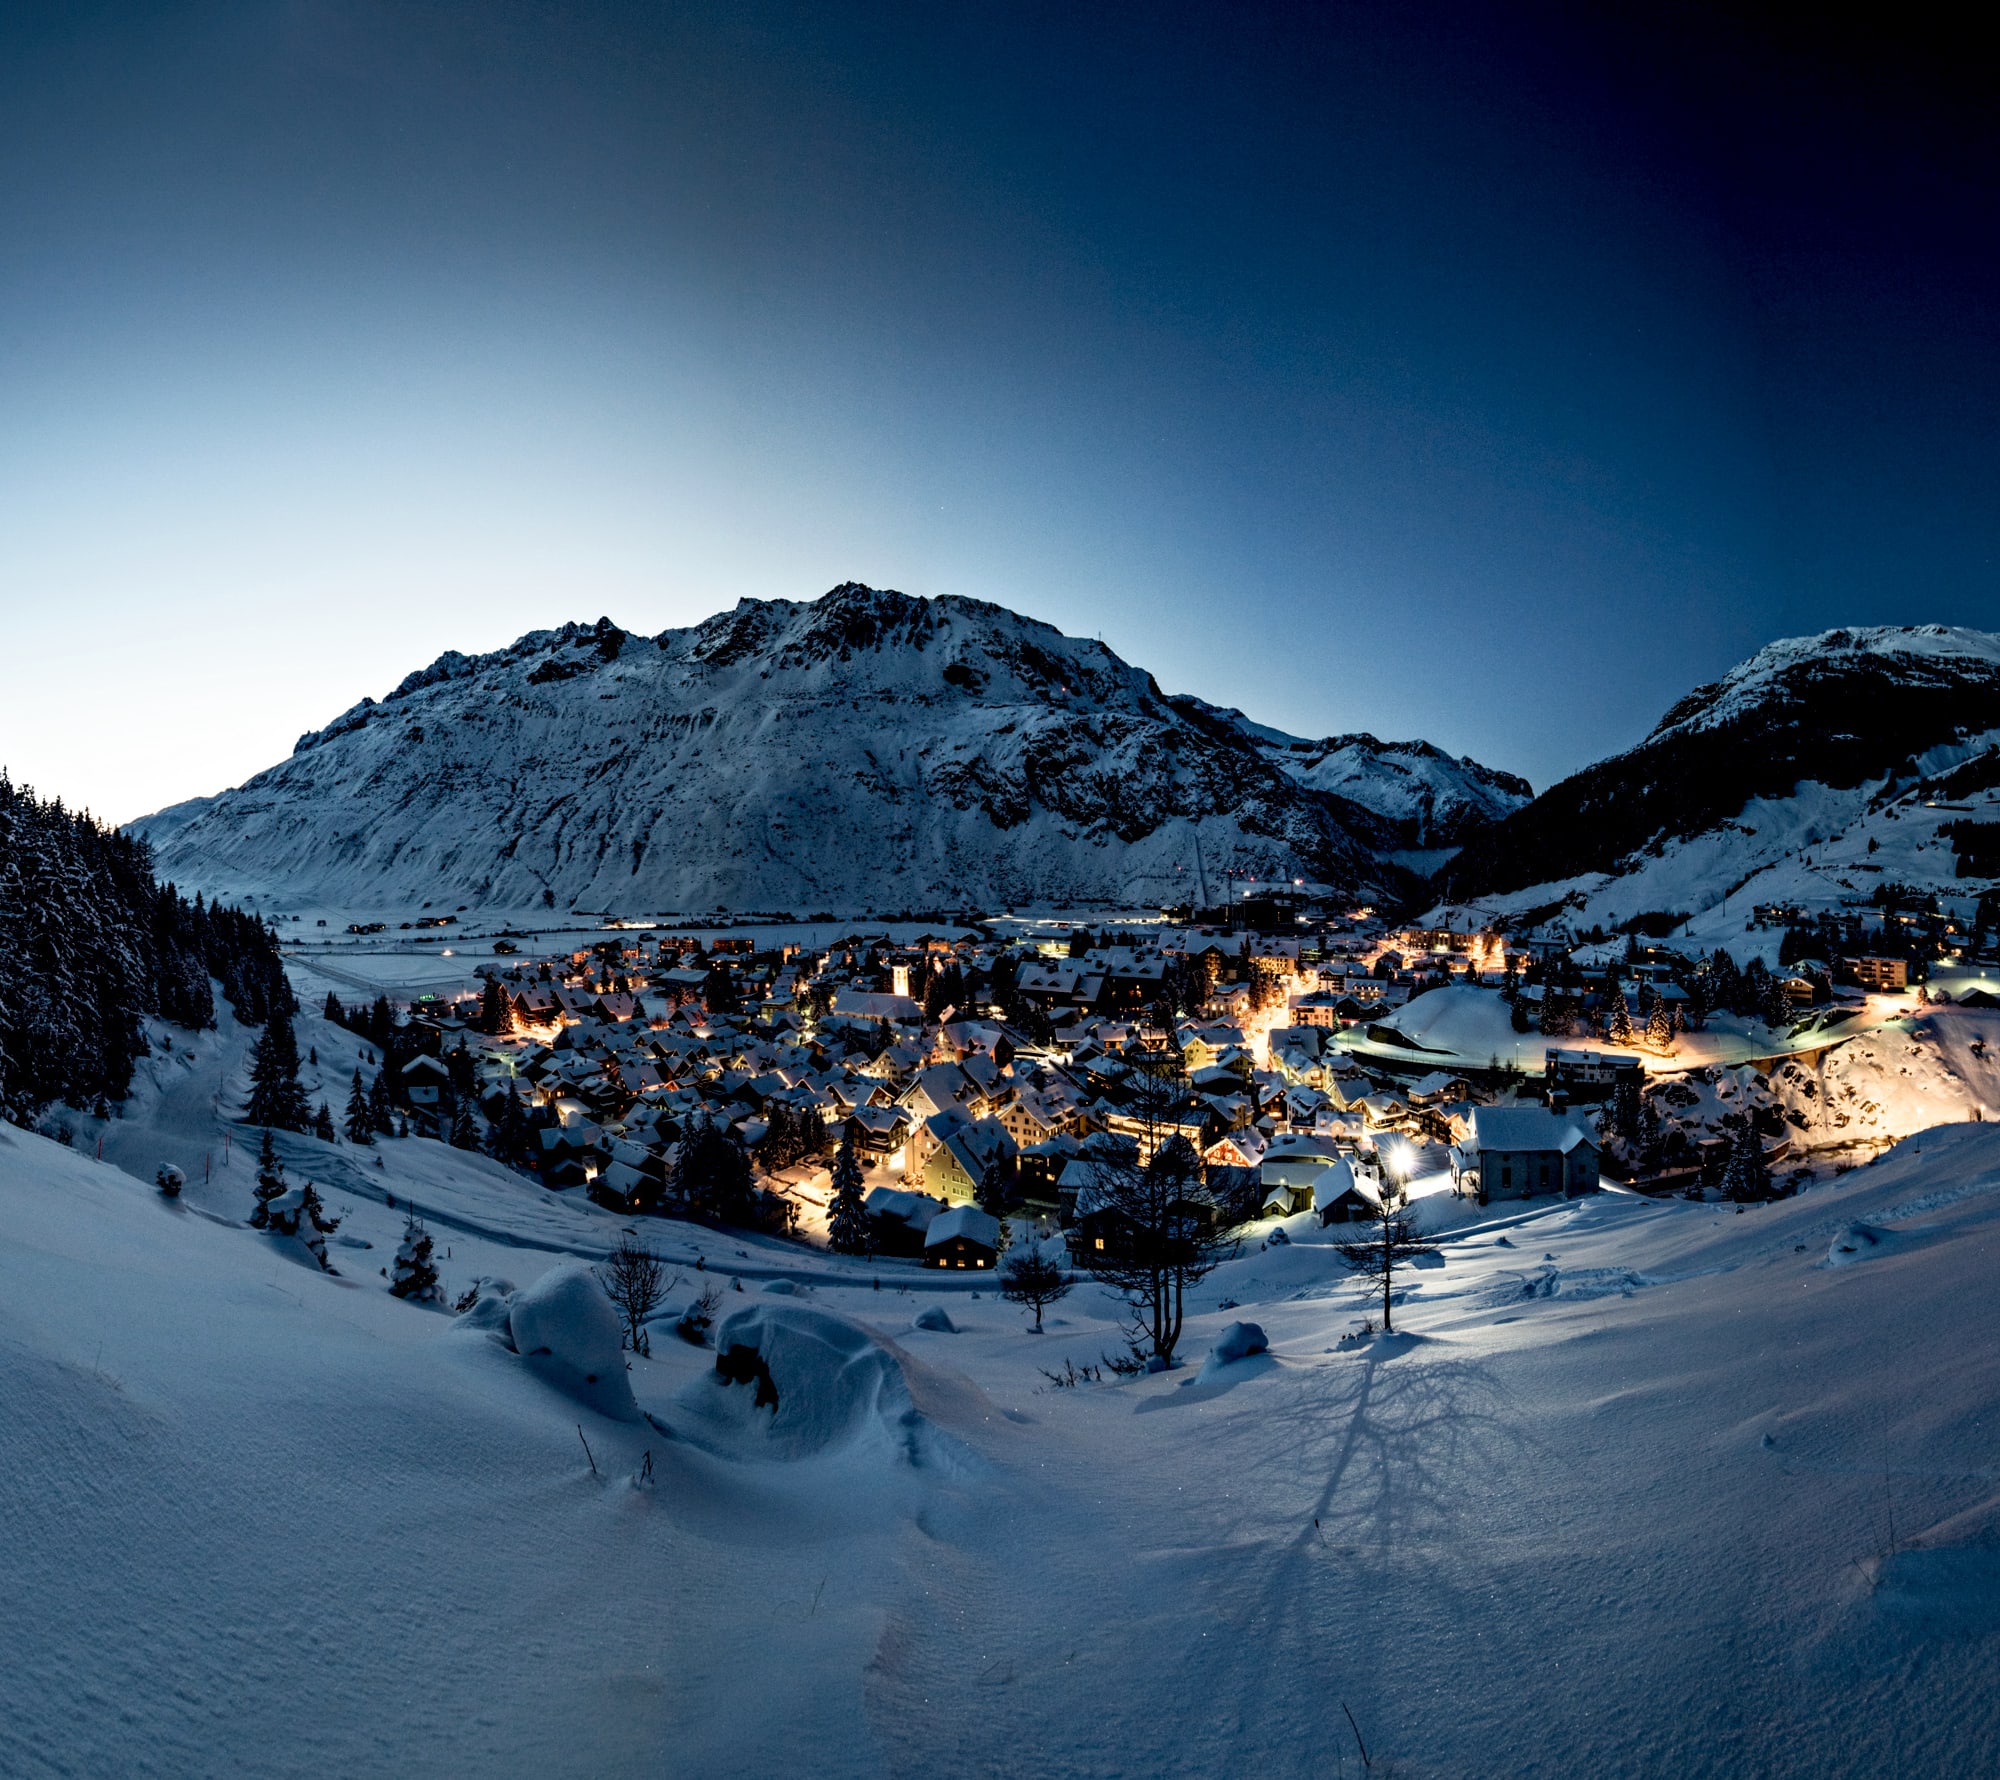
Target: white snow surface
{"x":1637,"y":1488}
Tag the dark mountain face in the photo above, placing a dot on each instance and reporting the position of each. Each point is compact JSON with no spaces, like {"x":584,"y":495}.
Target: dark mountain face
{"x":1842,"y":709}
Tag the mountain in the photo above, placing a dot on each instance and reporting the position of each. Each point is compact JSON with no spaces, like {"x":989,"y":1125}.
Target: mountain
{"x":1771,"y":784}
{"x":1433,"y":799}
{"x":862,"y":752}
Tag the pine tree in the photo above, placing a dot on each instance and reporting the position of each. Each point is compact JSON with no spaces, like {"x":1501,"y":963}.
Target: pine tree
{"x":323,"y":1123}
{"x":1745,"y":1176}
{"x":1618,"y":1020}
{"x":333,"y":1011}
{"x":270,"y":1181}
{"x":305,"y":1216}
{"x":415,"y":1277}
{"x":360,"y":1120}
{"x":276,"y":1099}
{"x":996,"y":1190}
{"x":380,"y":1107}
{"x":847,"y":1220}
{"x":496,"y":1011}
{"x":464,"y":1127}
{"x":1660,"y":1025}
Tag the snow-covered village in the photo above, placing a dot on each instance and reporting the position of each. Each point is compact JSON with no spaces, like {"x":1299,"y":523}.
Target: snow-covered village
{"x":985,"y":1180}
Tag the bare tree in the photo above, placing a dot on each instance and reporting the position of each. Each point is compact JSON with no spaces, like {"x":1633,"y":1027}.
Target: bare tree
{"x":1392,"y":1241}
{"x":1164,"y":1231}
{"x":1029,"y":1277}
{"x":635,"y":1280}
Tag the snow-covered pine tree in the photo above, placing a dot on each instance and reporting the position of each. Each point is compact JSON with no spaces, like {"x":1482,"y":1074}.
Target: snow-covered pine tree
{"x":276,"y":1098}
{"x":302,"y":1213}
{"x":415,"y":1275}
{"x":847,"y":1220}
{"x":270,"y":1181}
{"x":323,"y":1123}
{"x":360,"y":1121}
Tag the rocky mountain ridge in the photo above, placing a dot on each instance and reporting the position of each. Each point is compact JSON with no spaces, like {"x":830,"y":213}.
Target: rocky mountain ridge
{"x":863,"y":751}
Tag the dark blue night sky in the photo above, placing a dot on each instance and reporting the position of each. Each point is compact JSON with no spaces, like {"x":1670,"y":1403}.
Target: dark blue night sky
{"x":1486,"y":374}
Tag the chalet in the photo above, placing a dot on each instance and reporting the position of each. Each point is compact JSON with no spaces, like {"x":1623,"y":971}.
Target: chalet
{"x":878,"y":1132}
{"x":1884,"y":975}
{"x":1591,"y":1075}
{"x":1238,"y":1149}
{"x":1339,"y":1195}
{"x":898,"y":1221}
{"x":424,"y":1079}
{"x":964,"y":1236}
{"x":950,"y":1153}
{"x":1517,"y":1152}
{"x":1296,"y":1159}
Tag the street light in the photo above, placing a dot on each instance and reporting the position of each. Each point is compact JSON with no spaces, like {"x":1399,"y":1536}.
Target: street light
{"x":1400,"y":1161}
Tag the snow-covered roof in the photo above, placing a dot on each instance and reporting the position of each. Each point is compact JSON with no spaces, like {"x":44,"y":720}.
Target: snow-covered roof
{"x":1527,"y":1128}
{"x":966,"y":1221}
{"x":1331,"y":1186}
{"x":915,"y":1209}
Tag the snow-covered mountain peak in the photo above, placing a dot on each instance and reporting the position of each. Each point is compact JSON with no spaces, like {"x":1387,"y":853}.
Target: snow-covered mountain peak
{"x":864,"y":750}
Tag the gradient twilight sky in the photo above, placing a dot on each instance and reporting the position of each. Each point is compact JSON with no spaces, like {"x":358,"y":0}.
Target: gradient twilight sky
{"x":1491,"y":374}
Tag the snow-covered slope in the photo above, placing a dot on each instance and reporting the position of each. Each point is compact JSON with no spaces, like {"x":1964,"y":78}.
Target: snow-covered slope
{"x":1638,"y":1488}
{"x":1433,"y":799}
{"x":866,"y":751}
{"x":1817,"y":770}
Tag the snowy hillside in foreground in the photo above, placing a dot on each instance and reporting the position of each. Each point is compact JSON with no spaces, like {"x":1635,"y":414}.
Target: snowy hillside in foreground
{"x":864,"y":752}
{"x":1647,"y":1488}
{"x":1818,"y":770}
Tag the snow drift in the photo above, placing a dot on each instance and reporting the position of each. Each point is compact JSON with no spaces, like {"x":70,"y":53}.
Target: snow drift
{"x":565,"y":1328}
{"x":833,"y":1382}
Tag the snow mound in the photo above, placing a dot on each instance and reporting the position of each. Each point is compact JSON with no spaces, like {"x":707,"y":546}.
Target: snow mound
{"x":1855,"y":1242}
{"x":1574,"y":1285}
{"x":936,"y":1319}
{"x":565,"y":1328}
{"x":834,"y":1382}
{"x":1237,"y":1342}
{"x":780,"y":1288}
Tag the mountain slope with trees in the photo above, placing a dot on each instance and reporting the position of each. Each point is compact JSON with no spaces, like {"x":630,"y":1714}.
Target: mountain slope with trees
{"x":92,"y":946}
{"x":1846,"y":710}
